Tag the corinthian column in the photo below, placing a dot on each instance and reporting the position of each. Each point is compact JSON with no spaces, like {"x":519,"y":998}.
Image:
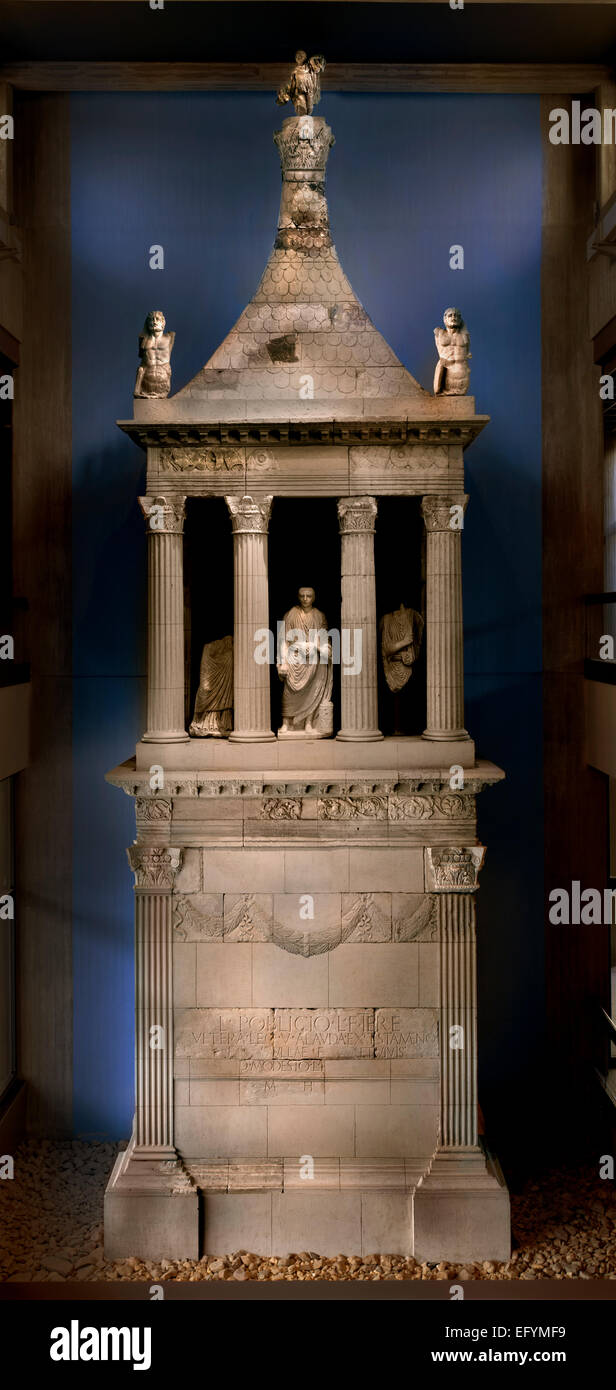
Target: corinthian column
{"x":251,"y":679}
{"x":443,"y":518}
{"x":165,"y":688}
{"x":154,"y":868}
{"x":358,"y":680}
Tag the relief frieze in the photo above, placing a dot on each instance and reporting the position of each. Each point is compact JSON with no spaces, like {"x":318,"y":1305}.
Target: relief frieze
{"x":202,"y":460}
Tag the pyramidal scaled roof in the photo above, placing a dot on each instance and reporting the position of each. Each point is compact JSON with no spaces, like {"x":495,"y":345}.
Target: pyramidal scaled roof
{"x":304,"y":345}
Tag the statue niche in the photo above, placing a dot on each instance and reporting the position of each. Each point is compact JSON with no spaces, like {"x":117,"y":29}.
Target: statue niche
{"x":305,"y":666}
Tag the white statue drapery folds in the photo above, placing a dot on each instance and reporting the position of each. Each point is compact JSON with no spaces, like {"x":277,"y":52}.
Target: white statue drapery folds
{"x":306,"y":667}
{"x":214,"y":702}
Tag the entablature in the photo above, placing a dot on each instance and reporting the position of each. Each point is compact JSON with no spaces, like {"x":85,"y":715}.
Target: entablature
{"x":251,"y":433}
{"x":291,"y":785}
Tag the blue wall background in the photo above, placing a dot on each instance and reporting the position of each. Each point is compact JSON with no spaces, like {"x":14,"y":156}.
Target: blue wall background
{"x":408,"y":177}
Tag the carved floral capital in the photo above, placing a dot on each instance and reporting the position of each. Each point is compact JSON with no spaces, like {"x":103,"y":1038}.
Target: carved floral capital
{"x":164,"y":516}
{"x":248,"y":515}
{"x":442,"y":513}
{"x":453,"y":869}
{"x":154,"y":867}
{"x":357,"y":514}
{"x":304,"y":144}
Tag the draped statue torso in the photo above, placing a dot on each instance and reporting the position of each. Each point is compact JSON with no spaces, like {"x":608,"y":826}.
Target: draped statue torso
{"x":308,"y":676}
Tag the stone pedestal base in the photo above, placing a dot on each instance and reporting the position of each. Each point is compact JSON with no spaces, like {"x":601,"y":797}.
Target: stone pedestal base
{"x":455,"y":1209}
{"x":461,"y":1209}
{"x":151,"y":1210}
{"x":407,"y":757}
{"x":330,"y":1223}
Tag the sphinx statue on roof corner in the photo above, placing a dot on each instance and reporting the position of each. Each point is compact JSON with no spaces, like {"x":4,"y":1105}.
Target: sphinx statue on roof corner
{"x":304,"y":86}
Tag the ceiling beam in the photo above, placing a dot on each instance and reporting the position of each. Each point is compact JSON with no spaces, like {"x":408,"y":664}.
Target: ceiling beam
{"x":468,"y":3}
{"x":341,"y":77}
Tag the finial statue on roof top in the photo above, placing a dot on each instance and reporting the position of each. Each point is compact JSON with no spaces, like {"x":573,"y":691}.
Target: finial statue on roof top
{"x":303,"y":87}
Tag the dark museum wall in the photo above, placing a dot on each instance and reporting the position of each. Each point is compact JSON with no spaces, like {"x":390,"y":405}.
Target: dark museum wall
{"x":409,"y":177}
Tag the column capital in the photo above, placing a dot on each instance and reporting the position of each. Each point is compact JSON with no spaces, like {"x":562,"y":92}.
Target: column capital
{"x":356,"y":514}
{"x":164,"y":514}
{"x":248,"y":515}
{"x":154,"y":867}
{"x":443,"y":513}
{"x":454,"y":868}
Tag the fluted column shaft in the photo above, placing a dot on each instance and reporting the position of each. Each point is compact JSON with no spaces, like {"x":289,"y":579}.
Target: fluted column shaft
{"x":458,"y":1020}
{"x":165,"y":684}
{"x":443,"y":518}
{"x":154,"y":868}
{"x":251,"y":679}
{"x":358,"y":687}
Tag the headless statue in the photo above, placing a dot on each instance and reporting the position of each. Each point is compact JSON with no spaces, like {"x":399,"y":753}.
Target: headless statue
{"x":214,"y":702}
{"x":401,"y":634}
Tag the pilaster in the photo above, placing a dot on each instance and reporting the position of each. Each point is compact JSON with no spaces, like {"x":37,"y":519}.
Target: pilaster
{"x":461,"y":1206}
{"x":154,"y":867}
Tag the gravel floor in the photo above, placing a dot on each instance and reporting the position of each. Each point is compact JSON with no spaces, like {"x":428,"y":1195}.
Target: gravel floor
{"x":564,"y":1227}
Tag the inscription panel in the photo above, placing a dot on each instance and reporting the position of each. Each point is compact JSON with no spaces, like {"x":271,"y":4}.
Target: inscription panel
{"x":278,"y":1067}
{"x":232,"y":1033}
{"x":406,"y":1033}
{"x":270,"y":1092}
{"x":270,"y":1044}
{"x":323,"y":1033}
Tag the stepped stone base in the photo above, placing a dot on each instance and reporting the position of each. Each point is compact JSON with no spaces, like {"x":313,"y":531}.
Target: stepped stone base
{"x":461,"y":1210}
{"x":446,"y":1209}
{"x":330,"y":1223}
{"x":151,"y":1210}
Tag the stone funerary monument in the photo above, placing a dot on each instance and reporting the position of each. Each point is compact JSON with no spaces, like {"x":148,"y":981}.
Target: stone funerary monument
{"x":306,"y":857}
